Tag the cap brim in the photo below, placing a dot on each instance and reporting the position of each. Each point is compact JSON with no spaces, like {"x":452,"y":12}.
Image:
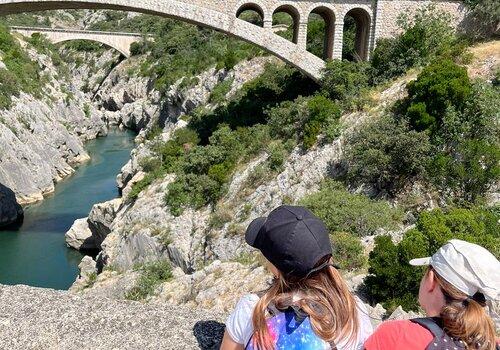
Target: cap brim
{"x":421,"y":261}
{"x":253,"y":231}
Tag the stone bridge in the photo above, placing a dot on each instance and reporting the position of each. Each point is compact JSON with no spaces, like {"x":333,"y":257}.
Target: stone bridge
{"x":374,"y":19}
{"x":117,"y":40}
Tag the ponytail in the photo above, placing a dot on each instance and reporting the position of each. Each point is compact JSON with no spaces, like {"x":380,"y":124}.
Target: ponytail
{"x":465,"y":317}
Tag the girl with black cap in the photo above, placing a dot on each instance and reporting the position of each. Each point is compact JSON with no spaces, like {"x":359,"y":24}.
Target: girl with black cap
{"x":308,"y":305}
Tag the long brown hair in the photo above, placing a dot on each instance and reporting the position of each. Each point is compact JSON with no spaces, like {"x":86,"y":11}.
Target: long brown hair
{"x":325,"y":297}
{"x":465,"y":317}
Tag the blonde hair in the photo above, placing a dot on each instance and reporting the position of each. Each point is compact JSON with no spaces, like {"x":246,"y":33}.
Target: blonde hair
{"x":465,"y":317}
{"x":325,"y":297}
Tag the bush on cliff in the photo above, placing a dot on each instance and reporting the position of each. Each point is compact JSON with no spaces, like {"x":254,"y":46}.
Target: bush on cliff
{"x":22,"y":73}
{"x":152,"y":275}
{"x":386,"y":154}
{"x":440,"y":86}
{"x":278,"y":83}
{"x":394,"y":282}
{"x":424,"y":37}
{"x":344,"y":82}
{"x":485,"y":15}
{"x":304,"y":119}
{"x":348,"y":252}
{"x":353,"y":213}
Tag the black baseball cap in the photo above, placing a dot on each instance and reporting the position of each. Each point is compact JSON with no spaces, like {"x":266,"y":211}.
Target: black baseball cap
{"x":291,"y":238}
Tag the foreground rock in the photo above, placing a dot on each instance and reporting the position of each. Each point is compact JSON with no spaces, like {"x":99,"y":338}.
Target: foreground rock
{"x":10,"y":210}
{"x":34,"y":318}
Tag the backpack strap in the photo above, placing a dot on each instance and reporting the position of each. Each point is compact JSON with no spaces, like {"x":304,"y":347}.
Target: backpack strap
{"x":431,"y":324}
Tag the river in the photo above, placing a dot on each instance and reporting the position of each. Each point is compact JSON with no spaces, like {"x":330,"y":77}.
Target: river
{"x":36,"y":253}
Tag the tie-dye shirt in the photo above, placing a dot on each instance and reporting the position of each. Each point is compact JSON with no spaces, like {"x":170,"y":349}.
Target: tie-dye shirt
{"x":289,"y":334}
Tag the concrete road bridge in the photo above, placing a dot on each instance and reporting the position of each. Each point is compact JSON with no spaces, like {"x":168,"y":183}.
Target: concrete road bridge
{"x":374,"y":19}
{"x":118,"y":40}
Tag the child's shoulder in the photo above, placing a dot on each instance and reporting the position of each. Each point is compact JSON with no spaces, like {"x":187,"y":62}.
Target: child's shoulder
{"x":248,"y":301}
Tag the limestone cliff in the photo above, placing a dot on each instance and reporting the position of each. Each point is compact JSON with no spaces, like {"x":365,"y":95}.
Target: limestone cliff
{"x":41,"y":138}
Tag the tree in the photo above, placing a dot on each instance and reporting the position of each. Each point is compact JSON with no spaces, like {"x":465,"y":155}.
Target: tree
{"x":386,"y":154}
{"x":439,"y":86}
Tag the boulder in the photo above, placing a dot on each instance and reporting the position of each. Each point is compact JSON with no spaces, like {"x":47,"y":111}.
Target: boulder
{"x":101,"y":217}
{"x":10,"y":211}
{"x":79,"y":236}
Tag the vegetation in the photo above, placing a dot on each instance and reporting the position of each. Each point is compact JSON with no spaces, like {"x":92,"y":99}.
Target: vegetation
{"x":486,"y":17}
{"x":21,"y":73}
{"x":394,"y":282}
{"x":356,"y":214}
{"x":348,"y":253}
{"x":152,"y":275}
{"x":304,"y":119}
{"x":426,"y":36}
{"x":387,"y":155}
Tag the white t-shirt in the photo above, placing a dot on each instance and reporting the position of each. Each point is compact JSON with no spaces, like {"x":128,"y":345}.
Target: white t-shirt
{"x":240,"y":327}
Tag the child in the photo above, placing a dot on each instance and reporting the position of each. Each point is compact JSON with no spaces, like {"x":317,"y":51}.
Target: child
{"x":308,"y":305}
{"x":453,"y":292}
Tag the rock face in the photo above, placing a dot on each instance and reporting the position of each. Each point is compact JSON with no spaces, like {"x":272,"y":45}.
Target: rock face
{"x":41,"y":140}
{"x":10,"y":210}
{"x":35,"y":318}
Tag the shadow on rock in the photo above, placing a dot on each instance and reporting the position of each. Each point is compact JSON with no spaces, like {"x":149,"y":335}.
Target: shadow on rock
{"x":209,"y":334}
{"x":11,"y":213}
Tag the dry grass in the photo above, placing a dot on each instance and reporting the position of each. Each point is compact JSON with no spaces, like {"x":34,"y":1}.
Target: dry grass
{"x":486,"y":60}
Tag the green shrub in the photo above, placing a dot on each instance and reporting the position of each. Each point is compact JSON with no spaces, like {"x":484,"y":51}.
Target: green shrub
{"x":424,"y":37}
{"x":386,"y":154}
{"x":277,"y":155}
{"x":348,"y":252}
{"x":345,"y":81}
{"x":305,"y":119}
{"x":22,"y":73}
{"x":152,"y":275}
{"x":485,"y":15}
{"x":352,"y":213}
{"x":276,"y":84}
{"x":394,"y":282}
{"x":139,"y":48}
{"x":467,"y":146}
{"x":220,"y":91}
{"x":141,"y":185}
{"x":438,"y":87}
{"x":469,"y":173}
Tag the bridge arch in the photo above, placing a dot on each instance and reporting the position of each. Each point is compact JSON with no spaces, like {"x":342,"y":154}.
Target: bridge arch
{"x":363,"y":21}
{"x":294,"y":14}
{"x":194,"y":13}
{"x":253,"y":7}
{"x":328,"y":16}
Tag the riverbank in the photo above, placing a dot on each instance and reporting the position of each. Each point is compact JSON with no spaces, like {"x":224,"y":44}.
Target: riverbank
{"x":36,"y":254}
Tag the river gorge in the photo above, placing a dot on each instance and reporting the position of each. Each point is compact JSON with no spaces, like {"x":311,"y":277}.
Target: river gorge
{"x":35,"y":253}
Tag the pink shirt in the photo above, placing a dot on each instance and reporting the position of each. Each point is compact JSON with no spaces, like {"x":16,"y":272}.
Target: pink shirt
{"x":396,"y":335}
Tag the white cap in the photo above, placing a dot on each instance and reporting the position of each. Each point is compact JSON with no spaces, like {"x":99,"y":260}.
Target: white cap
{"x":468,"y":267}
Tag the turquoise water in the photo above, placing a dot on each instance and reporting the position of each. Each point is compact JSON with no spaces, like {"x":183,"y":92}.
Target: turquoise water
{"x":36,"y":254}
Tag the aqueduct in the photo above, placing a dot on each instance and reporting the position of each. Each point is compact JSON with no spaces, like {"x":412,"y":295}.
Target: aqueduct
{"x":374,"y":19}
{"x":117,"y":40}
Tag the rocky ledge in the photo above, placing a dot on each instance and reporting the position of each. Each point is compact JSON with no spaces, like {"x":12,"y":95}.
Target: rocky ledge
{"x":35,"y":318}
